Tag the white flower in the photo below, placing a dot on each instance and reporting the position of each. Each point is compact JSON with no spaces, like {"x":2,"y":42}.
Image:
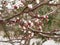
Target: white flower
{"x":38,"y":15}
{"x":29,"y":31}
{"x":24,"y":21}
{"x":54,"y":1}
{"x":11,"y":0}
{"x":37,"y":20}
{"x":37,"y":1}
{"x":1,"y":9}
{"x":23,"y":41}
{"x":19,"y":4}
{"x":24,"y":31}
{"x":44,"y":16}
{"x":40,"y":27}
{"x":50,"y":2}
{"x":29,"y":21}
{"x":17,"y":17}
{"x":32,"y":24}
{"x":24,"y":27}
{"x":0,"y":6}
{"x":9,"y":6}
{"x":32,"y":34}
{"x":30,"y":6}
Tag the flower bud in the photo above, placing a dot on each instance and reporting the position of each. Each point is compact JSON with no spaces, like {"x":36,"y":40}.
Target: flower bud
{"x":30,"y":6}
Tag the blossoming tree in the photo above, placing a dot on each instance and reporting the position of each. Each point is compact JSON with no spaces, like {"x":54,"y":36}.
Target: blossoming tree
{"x":22,"y":20}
